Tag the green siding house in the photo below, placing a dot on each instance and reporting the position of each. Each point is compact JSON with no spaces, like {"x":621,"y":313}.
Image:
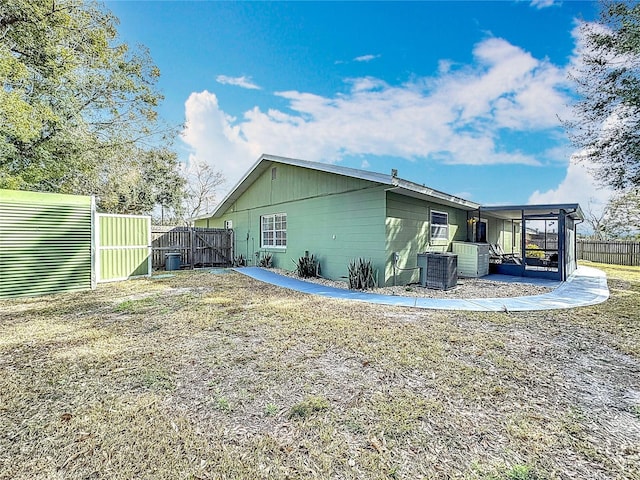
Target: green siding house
{"x":287,"y":207}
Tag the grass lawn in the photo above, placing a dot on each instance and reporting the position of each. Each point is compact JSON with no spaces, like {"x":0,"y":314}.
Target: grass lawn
{"x":205,"y":376}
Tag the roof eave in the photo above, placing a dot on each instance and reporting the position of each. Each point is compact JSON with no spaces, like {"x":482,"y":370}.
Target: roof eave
{"x":420,"y":191}
{"x":573,"y":209}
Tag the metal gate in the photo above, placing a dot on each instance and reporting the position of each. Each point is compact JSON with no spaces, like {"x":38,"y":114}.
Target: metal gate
{"x":123,"y":246}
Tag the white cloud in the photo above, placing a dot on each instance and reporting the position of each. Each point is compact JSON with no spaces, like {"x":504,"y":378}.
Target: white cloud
{"x":365,"y":164}
{"x":578,"y":186}
{"x":508,"y":87}
{"x":213,"y":140}
{"x":243,"y":82}
{"x":456,"y":117}
{"x":539,"y":4}
{"x":365,"y":58}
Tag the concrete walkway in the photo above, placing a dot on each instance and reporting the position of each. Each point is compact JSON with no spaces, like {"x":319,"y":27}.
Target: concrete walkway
{"x":587,"y":286}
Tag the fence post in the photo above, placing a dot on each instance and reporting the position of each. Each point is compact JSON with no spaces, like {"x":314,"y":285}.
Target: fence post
{"x":192,"y":242}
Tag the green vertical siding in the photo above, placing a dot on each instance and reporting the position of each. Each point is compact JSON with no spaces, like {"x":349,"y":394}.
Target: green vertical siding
{"x":408,"y":233}
{"x":123,"y":246}
{"x":45,"y":243}
{"x":500,"y":231}
{"x":338,"y":219}
{"x":334,"y":217}
{"x":292,"y":183}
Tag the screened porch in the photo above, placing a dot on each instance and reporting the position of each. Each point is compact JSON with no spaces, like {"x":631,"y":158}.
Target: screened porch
{"x":528,"y":240}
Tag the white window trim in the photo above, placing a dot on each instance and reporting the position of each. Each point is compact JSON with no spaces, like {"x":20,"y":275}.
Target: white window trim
{"x":431,"y":226}
{"x":262,"y":231}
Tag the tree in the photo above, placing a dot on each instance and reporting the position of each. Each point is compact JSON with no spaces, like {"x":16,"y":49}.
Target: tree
{"x":202,"y":187}
{"x":138,"y":183}
{"x":623,"y":212}
{"x":77,"y":105}
{"x":618,"y":219}
{"x":597,"y":220}
{"x":607,"y":117}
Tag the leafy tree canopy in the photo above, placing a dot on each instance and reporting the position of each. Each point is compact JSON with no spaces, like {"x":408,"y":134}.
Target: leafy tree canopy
{"x":607,"y":118}
{"x":78,"y":108}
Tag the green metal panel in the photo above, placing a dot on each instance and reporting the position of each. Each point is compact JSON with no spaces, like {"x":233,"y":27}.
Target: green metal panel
{"x":45,"y":243}
{"x":124,"y":247}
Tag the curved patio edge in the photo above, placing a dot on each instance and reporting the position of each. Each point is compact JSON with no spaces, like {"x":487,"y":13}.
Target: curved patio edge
{"x":586,"y":286}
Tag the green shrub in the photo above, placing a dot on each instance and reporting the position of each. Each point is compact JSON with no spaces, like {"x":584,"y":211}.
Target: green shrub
{"x":361,"y":275}
{"x":239,"y":261}
{"x":307,"y":266}
{"x":534,"y":251}
{"x":266,"y":261}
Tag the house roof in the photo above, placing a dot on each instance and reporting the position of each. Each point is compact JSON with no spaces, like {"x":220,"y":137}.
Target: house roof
{"x":398,"y":185}
{"x":395,"y":184}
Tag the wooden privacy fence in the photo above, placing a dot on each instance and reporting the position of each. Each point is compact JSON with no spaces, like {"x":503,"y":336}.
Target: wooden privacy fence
{"x":198,"y":247}
{"x":617,"y":253}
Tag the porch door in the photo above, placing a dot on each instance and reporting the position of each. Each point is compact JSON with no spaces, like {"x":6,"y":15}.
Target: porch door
{"x":481,"y":232}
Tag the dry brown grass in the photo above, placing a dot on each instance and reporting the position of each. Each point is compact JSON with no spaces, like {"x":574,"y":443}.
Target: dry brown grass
{"x":219,"y":376}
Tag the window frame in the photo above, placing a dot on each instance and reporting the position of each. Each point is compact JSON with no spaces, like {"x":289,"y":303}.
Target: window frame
{"x":277,"y":234}
{"x":438,"y":226}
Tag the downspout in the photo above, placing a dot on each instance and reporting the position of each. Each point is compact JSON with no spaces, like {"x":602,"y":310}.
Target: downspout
{"x":393,"y":254}
{"x":523,"y":242}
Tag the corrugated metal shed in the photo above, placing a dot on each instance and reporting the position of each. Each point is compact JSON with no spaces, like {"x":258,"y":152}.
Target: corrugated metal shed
{"x":45,"y":243}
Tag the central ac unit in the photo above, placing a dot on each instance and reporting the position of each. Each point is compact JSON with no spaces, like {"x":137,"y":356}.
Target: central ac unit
{"x":438,"y":270}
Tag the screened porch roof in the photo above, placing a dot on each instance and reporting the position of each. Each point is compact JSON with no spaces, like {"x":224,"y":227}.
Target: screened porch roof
{"x":515,"y":212}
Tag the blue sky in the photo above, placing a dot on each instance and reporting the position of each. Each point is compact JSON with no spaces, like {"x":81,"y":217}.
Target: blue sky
{"x":464,"y":97}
